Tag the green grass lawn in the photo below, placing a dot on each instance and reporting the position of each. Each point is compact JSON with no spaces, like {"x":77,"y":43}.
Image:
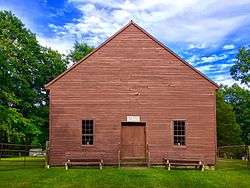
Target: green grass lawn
{"x":228,"y":173}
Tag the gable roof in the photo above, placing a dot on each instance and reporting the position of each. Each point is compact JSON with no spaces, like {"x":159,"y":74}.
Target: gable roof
{"x":117,"y":33}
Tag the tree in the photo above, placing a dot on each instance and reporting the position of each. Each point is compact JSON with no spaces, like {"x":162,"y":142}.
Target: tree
{"x":241,"y":69}
{"x":79,"y":51}
{"x":239,"y":98}
{"x":228,"y":131}
{"x":25,"y":67}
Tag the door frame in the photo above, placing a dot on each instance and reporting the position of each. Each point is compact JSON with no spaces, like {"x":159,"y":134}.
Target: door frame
{"x":125,"y":123}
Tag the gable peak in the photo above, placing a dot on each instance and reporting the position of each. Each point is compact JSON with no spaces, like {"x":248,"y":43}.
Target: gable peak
{"x":131,"y":22}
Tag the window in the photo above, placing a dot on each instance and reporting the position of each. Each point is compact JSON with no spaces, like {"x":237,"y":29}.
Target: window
{"x":179,"y":132}
{"x":87,"y":132}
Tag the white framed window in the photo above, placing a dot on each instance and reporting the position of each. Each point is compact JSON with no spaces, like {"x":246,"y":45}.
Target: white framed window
{"x":179,"y":130}
{"x":87,"y":132}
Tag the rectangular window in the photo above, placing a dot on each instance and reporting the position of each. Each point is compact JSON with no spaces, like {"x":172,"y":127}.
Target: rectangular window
{"x":179,"y":132}
{"x":87,"y":132}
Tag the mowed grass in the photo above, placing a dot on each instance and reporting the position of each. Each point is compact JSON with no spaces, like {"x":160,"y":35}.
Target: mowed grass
{"x":228,"y":173}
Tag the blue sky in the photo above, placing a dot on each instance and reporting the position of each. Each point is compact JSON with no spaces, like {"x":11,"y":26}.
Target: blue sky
{"x":207,"y":33}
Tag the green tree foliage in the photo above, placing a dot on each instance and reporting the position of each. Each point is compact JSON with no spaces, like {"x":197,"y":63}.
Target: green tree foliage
{"x":25,"y":67}
{"x":79,"y":51}
{"x":228,"y":131}
{"x":239,"y":98}
{"x":241,"y":70}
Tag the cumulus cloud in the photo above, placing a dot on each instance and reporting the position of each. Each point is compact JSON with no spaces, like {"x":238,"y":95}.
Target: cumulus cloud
{"x":187,"y":21}
{"x":62,"y":45}
{"x":198,"y":23}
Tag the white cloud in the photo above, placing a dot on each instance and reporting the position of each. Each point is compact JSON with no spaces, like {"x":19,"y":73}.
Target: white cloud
{"x":223,"y":66}
{"x":174,"y":21}
{"x":224,"y":80}
{"x":196,"y":46}
{"x":227,"y":80}
{"x":205,"y":68}
{"x":62,"y":45}
{"x":203,"y":31}
{"x":228,"y":47}
{"x":213,"y":58}
{"x":170,"y":21}
{"x":198,"y":23}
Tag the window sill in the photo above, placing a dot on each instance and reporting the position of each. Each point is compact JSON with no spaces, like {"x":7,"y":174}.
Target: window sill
{"x":181,"y":147}
{"x":88,"y":145}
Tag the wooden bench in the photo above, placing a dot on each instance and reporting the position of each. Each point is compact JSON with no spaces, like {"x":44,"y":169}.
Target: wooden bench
{"x":183,"y":162}
{"x":82,"y":161}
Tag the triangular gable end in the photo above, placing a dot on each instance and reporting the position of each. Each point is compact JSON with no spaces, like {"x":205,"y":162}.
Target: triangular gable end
{"x":117,"y":33}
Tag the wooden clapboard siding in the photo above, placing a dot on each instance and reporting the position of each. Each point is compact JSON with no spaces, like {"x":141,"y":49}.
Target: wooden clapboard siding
{"x":132,"y":74}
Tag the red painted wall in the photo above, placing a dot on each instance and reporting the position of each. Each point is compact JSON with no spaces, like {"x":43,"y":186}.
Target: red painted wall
{"x":132,"y":75}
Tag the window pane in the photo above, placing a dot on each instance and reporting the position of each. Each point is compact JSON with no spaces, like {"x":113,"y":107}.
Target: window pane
{"x":182,"y":140}
{"x":182,"y":133}
{"x":91,"y":140}
{"x":85,"y":126}
{"x":175,"y":132}
{"x":175,"y":140}
{"x":91,"y":130}
{"x":175,"y":127}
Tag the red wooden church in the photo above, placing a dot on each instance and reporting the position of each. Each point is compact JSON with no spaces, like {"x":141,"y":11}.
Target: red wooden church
{"x":132,"y":98}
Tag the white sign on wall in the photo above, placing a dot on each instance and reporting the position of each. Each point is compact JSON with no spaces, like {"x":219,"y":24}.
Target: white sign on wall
{"x":133,"y":119}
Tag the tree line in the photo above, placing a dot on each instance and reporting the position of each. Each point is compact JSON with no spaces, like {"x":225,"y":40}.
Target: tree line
{"x":25,"y":66}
